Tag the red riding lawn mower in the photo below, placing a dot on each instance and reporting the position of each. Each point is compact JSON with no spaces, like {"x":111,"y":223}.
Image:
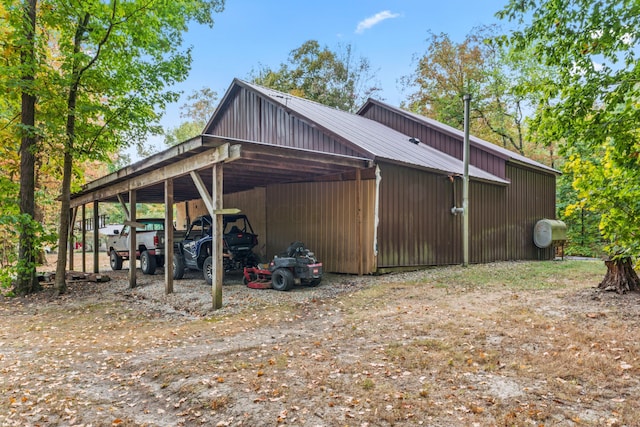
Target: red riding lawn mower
{"x":297,"y":265}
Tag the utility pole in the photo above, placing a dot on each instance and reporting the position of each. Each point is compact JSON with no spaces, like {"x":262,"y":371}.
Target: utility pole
{"x":465,"y":184}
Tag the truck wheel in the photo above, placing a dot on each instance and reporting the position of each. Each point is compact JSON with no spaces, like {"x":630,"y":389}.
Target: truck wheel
{"x":282,"y":279}
{"x":115,"y":260}
{"x":147,"y":263}
{"x":207,"y":270}
{"x":178,"y":266}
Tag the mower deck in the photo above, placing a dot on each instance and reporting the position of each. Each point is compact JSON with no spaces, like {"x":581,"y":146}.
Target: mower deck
{"x":257,"y":278}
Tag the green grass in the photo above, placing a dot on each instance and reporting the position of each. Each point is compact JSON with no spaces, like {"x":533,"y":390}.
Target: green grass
{"x":517,"y":275}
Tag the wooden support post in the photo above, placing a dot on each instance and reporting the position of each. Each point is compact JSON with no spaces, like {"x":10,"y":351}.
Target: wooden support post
{"x":73,"y":213}
{"x":96,"y":238}
{"x":216,"y":244}
{"x":83,"y":239}
{"x":133,"y":244}
{"x":168,"y":236}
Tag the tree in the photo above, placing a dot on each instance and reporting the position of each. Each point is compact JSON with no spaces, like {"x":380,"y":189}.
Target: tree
{"x":198,"y":109}
{"x":592,"y":106}
{"x":103,"y":79}
{"x":128,"y":53}
{"x":488,"y":72}
{"x":333,"y":78}
{"x":19,"y":50}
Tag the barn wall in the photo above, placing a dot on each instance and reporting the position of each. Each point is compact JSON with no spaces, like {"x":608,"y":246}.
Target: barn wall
{"x":436,"y":139}
{"x":416,"y":225}
{"x":487,"y":223}
{"x":253,"y":118}
{"x":324,"y":216}
{"x":529,"y":198}
{"x":252,"y":204}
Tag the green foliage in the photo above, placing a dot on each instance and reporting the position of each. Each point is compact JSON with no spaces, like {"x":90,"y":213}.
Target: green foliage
{"x":583,"y":235}
{"x":183,"y":132}
{"x":487,"y":70}
{"x":333,"y":78}
{"x":592,"y":105}
{"x":11,"y":265}
{"x":197,"y":110}
{"x":102,"y":73}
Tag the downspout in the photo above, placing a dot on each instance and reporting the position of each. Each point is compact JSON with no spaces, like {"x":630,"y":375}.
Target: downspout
{"x":464,"y":210}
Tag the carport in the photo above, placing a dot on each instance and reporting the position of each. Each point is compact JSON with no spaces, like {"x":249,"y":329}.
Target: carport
{"x":205,"y":167}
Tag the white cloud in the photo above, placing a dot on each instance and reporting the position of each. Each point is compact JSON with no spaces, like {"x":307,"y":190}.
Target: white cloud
{"x":375,"y":19}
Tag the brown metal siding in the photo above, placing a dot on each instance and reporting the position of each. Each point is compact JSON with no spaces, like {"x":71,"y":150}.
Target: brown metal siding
{"x":323,"y":215}
{"x":530,"y":197}
{"x":251,"y":203}
{"x":251,"y":117}
{"x":416,"y":225}
{"x":487,"y":225}
{"x":436,"y":139}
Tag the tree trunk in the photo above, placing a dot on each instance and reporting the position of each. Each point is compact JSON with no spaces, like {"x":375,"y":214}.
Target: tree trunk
{"x":620,"y":277}
{"x":27,"y":282}
{"x":65,"y":220}
{"x":65,"y":224}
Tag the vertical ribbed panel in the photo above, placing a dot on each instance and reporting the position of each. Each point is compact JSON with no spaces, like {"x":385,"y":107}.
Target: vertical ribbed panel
{"x":323,"y":215}
{"x":530,"y":197}
{"x":487,"y":223}
{"x":251,"y":117}
{"x":416,"y":225}
{"x":251,"y":203}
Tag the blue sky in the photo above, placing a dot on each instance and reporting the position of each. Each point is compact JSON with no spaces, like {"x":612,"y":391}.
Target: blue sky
{"x":251,"y":33}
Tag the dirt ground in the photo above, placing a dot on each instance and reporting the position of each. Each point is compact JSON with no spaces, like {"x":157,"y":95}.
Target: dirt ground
{"x":506,"y":344}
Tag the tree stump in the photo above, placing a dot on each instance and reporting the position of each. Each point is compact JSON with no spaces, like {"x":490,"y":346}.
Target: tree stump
{"x":620,"y":277}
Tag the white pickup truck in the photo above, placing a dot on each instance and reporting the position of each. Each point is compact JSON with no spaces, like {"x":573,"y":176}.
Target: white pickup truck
{"x":149,"y":241}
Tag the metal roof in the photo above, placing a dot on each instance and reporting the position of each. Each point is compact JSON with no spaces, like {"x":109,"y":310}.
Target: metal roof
{"x":376,"y":139}
{"x":475,"y":141}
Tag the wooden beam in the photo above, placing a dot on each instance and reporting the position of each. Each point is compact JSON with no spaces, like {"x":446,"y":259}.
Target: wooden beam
{"x":83,"y":231}
{"x":132,"y":240}
{"x":180,"y":168}
{"x":96,"y":238}
{"x":227,"y":211}
{"x":168,"y":236}
{"x":176,"y":151}
{"x":207,"y":199}
{"x":216,"y":244}
{"x":124,"y":206}
{"x":73,"y":213}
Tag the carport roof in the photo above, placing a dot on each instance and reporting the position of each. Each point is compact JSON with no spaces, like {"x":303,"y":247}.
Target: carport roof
{"x":253,"y":165}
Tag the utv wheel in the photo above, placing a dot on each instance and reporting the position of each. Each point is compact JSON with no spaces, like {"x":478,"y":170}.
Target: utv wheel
{"x":147,"y":263}
{"x":115,"y":260}
{"x":282,"y":279}
{"x":178,"y":266}
{"x":207,"y":270}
